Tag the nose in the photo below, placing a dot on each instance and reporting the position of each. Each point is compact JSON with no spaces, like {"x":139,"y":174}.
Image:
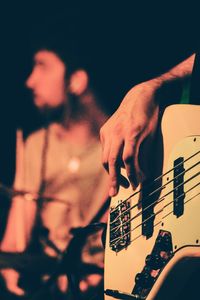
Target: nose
{"x":30,"y":81}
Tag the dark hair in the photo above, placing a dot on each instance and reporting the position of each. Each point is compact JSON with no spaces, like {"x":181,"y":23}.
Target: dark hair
{"x":77,"y":50}
{"x":63,"y":43}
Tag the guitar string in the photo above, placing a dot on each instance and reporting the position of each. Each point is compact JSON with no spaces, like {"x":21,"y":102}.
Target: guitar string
{"x":155,"y":202}
{"x":159,"y":221}
{"x":118,"y":239}
{"x":140,"y":213}
{"x":163,"y":208}
{"x":150,"y":194}
{"x":171,"y":212}
{"x":156,"y":179}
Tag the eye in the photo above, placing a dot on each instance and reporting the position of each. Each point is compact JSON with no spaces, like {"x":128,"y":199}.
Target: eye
{"x":41,"y":64}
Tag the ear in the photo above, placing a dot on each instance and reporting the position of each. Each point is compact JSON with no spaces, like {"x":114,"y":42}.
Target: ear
{"x":78,"y":82}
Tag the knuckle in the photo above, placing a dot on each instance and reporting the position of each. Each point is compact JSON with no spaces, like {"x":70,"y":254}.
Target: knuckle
{"x":137,"y":128}
{"x":117,"y":129}
{"x":113,"y":180}
{"x":113,"y":161}
{"x":128,"y":153}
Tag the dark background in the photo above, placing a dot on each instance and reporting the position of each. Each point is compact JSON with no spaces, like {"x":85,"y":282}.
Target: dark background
{"x":125,"y":42}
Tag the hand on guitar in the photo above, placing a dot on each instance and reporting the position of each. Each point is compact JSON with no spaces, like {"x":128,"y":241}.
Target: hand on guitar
{"x":11,"y":278}
{"x":121,"y":136}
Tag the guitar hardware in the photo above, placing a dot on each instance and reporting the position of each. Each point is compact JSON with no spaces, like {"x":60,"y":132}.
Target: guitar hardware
{"x":122,"y":296}
{"x":120,"y":226}
{"x":154,"y":263}
{"x":179,"y":194}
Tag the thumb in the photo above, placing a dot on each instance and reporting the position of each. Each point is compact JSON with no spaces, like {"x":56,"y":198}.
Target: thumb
{"x":11,"y":279}
{"x":12,"y":287}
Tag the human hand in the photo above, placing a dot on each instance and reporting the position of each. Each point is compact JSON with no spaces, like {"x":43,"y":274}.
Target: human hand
{"x":90,"y":281}
{"x":62,"y":283}
{"x":122,"y":135}
{"x":11,"y":278}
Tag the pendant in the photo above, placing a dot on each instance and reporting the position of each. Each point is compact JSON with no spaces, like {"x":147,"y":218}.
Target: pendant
{"x":74,"y":164}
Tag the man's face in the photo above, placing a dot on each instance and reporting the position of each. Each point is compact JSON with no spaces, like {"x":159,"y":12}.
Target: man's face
{"x":47,"y":80}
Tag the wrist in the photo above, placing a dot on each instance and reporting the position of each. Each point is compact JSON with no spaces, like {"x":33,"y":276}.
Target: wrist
{"x":155,"y":83}
{"x":10,"y":247}
{"x":7,"y":248}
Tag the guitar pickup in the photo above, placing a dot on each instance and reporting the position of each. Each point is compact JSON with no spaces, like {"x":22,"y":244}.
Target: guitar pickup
{"x":178,"y":188}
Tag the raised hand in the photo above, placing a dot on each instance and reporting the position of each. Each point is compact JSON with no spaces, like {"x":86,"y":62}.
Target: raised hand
{"x":122,"y":135}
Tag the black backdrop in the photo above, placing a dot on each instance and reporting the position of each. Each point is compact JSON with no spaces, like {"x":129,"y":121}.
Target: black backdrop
{"x":126,"y":42}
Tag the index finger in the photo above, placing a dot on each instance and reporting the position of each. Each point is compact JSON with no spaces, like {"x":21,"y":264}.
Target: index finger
{"x":130,"y":158}
{"x":114,"y":164}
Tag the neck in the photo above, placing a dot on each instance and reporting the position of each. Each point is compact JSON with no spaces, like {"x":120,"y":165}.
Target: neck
{"x":76,"y":133}
{"x":83,"y":110}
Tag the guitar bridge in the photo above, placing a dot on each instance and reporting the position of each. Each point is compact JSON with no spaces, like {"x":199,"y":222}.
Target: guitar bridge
{"x":120,"y":226}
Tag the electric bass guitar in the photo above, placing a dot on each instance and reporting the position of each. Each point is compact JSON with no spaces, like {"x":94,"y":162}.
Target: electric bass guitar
{"x":153,"y":236}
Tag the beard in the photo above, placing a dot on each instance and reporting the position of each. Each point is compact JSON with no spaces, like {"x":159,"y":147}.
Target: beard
{"x":71,"y":110}
{"x":51,"y":114}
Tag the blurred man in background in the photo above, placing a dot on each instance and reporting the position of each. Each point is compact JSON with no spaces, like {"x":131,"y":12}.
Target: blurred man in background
{"x":59,"y":165}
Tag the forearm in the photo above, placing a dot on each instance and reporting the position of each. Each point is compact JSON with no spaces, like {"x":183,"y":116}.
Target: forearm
{"x":177,"y":73}
{"x":161,"y":89}
{"x":19,"y":226}
{"x":14,"y":236}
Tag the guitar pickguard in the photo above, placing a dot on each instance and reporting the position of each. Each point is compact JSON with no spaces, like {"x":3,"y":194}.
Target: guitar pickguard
{"x":138,"y":263}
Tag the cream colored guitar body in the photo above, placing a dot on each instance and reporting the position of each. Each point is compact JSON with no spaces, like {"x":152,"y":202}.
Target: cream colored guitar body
{"x":175,"y":238}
